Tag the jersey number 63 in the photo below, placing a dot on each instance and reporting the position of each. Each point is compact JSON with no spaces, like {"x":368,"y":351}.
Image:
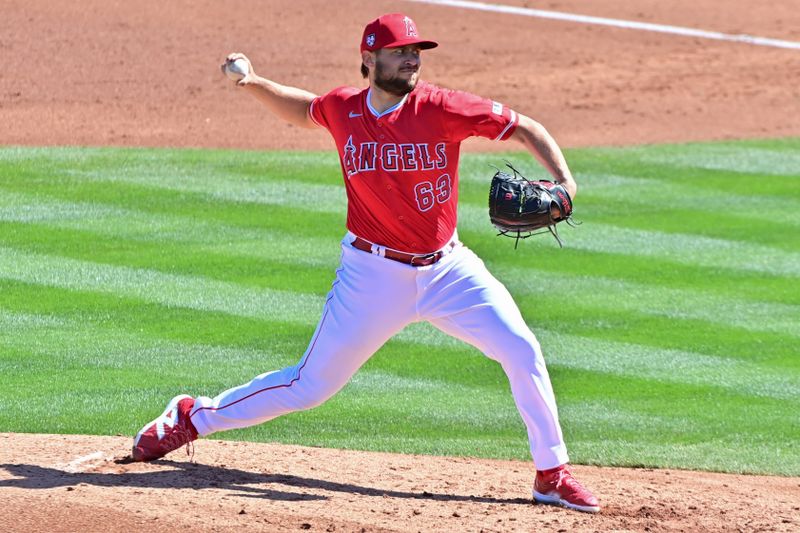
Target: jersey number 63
{"x":428,"y":194}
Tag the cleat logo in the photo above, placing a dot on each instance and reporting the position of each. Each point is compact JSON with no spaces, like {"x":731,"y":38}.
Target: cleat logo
{"x":167,"y":420}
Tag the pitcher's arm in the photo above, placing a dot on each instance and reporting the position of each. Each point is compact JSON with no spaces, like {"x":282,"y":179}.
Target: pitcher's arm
{"x":288,"y":103}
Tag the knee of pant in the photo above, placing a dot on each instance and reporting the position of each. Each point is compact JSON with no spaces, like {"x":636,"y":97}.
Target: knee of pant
{"x":310,"y":402}
{"x":313,"y":396}
{"x":517,"y":350}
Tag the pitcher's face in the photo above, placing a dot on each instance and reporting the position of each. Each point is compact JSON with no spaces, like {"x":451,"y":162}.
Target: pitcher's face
{"x":397,"y":69}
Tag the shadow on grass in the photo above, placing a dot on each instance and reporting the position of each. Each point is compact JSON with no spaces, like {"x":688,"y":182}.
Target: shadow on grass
{"x":188,"y":475}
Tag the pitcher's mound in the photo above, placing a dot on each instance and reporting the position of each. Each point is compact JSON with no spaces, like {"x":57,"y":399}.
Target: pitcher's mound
{"x":88,"y":483}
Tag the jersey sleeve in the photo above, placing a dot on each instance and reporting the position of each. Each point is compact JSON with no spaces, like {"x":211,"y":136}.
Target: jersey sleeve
{"x":468,"y":115}
{"x":325,"y":109}
{"x":316,"y":110}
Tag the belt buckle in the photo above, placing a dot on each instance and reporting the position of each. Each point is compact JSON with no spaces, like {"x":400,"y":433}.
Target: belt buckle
{"x":425,"y":260}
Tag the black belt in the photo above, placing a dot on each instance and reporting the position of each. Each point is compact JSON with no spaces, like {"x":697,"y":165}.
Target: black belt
{"x":402,"y":257}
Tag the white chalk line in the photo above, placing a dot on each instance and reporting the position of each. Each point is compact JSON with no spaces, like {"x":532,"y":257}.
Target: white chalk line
{"x":76,"y":465}
{"x":617,"y":23}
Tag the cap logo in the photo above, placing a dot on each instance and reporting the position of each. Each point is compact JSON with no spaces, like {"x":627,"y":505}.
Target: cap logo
{"x":371,"y":40}
{"x":411,"y":31}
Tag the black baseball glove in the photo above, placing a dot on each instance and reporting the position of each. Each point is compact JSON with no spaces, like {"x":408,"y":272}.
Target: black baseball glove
{"x":519,"y":207}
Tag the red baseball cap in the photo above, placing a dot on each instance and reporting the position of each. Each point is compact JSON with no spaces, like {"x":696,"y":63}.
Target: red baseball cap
{"x":392,"y":31}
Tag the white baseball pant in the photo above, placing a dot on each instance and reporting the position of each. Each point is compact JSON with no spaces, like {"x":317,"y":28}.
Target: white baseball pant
{"x":372,"y":299}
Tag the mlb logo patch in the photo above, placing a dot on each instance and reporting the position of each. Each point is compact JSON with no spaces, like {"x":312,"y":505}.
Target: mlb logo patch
{"x":371,"y":40}
{"x":497,"y":108}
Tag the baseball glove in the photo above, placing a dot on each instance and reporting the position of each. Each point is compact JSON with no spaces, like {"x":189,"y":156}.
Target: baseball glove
{"x":519,"y":207}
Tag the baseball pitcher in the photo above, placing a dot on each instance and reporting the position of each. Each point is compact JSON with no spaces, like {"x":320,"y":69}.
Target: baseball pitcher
{"x":402,"y":260}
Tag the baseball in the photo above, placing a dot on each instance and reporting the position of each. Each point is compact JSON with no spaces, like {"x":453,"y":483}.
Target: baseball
{"x":237,"y":69}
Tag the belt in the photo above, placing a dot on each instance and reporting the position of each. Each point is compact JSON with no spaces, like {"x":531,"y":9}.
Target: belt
{"x":401,"y":257}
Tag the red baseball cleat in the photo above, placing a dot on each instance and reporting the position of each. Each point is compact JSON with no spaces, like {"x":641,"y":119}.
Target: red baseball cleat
{"x":166,"y":433}
{"x":557,"y":486}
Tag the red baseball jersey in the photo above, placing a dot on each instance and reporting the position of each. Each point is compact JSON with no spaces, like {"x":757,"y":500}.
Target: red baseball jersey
{"x":400,"y":166}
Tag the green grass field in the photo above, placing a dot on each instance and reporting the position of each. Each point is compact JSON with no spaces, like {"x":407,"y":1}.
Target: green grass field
{"x":670,"y":320}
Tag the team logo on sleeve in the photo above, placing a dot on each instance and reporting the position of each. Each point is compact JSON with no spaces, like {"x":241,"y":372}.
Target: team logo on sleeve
{"x":497,"y":108}
{"x":371,"y":40}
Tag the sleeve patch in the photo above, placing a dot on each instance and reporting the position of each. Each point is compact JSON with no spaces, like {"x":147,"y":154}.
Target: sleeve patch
{"x":497,"y":108}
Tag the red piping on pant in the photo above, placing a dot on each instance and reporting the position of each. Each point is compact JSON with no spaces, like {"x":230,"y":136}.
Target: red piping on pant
{"x":284,"y":385}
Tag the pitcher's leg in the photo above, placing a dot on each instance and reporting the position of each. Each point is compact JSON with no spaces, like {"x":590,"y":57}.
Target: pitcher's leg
{"x":521,"y":358}
{"x":367,"y":305}
{"x":324,"y":369}
{"x":476,"y":308}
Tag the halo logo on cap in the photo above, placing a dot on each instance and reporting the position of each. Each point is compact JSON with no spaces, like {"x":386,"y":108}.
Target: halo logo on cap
{"x":411,"y":30}
{"x":393,"y":30}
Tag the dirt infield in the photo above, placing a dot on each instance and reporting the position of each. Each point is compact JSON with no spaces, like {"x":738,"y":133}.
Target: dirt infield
{"x":145,"y":74}
{"x":78,"y":483}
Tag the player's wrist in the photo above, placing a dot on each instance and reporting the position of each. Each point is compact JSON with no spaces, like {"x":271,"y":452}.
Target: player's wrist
{"x":568,"y":184}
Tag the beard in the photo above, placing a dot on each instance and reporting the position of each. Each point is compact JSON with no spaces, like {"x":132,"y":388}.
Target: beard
{"x":391,"y":83}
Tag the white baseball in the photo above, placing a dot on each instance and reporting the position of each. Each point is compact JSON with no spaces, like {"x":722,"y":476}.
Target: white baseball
{"x":237,"y":69}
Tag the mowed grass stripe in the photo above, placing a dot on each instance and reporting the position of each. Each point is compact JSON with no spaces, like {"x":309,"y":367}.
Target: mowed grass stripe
{"x":106,"y":346}
{"x":297,"y":270}
{"x":607,"y":191}
{"x":716,"y":203}
{"x":222,"y":264}
{"x":310,"y":251}
{"x":682,"y":248}
{"x":202,"y":164}
{"x":685,"y":248}
{"x":672,"y":366}
{"x":320,"y":198}
{"x":544,"y":256}
{"x":174,"y":203}
{"x":26,"y":215}
{"x":736,"y":203}
{"x":173,"y":183}
{"x":167,"y":289}
{"x":652,"y":299}
{"x":781,"y":158}
{"x":606,"y":323}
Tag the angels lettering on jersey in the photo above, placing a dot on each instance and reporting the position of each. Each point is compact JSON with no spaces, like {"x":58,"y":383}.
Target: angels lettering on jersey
{"x":368,"y":156}
{"x":400,"y":166}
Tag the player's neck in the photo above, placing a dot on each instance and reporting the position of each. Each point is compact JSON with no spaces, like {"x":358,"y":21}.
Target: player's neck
{"x":381,"y":100}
